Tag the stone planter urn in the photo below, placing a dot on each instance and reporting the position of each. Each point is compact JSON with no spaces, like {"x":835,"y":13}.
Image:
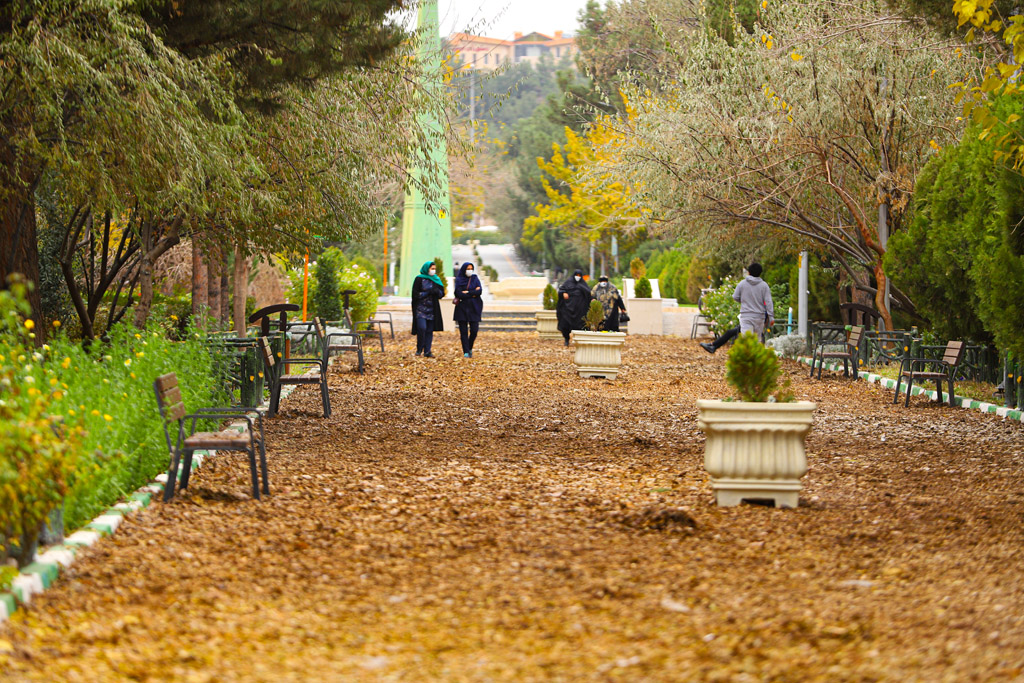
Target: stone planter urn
{"x":547,"y":325}
{"x":645,"y":316}
{"x":598,"y":354}
{"x":755,"y":451}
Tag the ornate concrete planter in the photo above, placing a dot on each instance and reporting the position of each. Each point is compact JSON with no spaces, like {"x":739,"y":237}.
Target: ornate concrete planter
{"x":547,"y":325}
{"x":755,"y":450}
{"x":598,"y":354}
{"x":645,"y":316}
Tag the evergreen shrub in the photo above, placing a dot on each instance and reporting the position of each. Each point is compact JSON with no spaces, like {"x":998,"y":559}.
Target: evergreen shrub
{"x":550,"y":298}
{"x":594,"y":320}
{"x":637,"y":268}
{"x":753,"y":370}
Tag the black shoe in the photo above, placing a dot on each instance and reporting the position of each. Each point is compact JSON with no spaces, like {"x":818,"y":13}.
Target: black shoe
{"x":428,"y":355}
{"x":710,"y":348}
{"x":419,"y":353}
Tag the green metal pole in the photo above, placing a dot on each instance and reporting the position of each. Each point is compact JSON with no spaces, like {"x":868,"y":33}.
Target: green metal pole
{"x":426,"y":218}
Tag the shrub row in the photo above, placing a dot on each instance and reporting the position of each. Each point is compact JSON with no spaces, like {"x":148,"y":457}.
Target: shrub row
{"x":81,"y":425}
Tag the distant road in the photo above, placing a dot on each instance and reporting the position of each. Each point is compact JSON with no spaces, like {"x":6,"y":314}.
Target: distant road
{"x":502,"y":257}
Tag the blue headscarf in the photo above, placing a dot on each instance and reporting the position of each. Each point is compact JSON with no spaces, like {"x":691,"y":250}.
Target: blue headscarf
{"x":425,"y":273}
{"x":464,"y":283}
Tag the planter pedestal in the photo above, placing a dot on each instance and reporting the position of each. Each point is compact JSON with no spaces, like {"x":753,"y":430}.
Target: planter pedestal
{"x":598,"y":353}
{"x":755,"y":451}
{"x":547,"y":325}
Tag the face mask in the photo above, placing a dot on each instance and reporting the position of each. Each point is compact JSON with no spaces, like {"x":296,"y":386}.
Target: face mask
{"x":469,"y":273}
{"x":433,"y":272}
{"x":578,"y":277}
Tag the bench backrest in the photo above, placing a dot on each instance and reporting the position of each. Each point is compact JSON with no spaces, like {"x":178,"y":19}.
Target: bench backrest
{"x":854,"y":335}
{"x":268,"y":353}
{"x":954,"y":353}
{"x":859,"y":314}
{"x":168,"y":400}
{"x":168,"y":397}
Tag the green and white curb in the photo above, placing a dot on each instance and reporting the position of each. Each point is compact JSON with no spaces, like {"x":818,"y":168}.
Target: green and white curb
{"x":36,"y":577}
{"x":961,"y":401}
{"x":49,"y":562}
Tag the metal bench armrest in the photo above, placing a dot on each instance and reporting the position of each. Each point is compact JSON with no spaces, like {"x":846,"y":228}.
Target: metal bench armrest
{"x":908,"y":365}
{"x":195,"y":417}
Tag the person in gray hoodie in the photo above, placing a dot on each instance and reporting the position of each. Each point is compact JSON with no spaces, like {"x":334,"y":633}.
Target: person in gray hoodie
{"x":755,"y":297}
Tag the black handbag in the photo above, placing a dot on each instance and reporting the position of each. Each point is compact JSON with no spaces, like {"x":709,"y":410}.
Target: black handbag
{"x":623,"y":317}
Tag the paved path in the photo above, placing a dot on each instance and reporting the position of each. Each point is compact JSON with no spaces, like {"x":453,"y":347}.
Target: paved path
{"x":500,"y":519}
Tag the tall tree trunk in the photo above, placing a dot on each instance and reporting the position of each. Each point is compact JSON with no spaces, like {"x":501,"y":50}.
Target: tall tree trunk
{"x":152,"y":249}
{"x":225,"y":292}
{"x":19,"y":246}
{"x":199,"y":288}
{"x":241,"y":293}
{"x":145,"y":276}
{"x":213,"y":284}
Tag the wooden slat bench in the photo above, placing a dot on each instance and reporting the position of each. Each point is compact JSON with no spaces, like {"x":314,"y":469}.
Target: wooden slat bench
{"x":339,"y":341}
{"x":944,"y":369}
{"x":172,"y":409}
{"x":277,"y":375}
{"x":848,"y":354}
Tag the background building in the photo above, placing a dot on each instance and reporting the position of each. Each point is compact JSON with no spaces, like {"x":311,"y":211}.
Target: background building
{"x":487,"y":54}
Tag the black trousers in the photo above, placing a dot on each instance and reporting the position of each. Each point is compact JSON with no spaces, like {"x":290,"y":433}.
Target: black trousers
{"x":467,"y":331}
{"x":424,"y":335}
{"x":726,"y":338}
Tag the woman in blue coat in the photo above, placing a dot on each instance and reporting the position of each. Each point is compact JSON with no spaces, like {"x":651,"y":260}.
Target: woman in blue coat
{"x":427,"y":292}
{"x":469,"y":307}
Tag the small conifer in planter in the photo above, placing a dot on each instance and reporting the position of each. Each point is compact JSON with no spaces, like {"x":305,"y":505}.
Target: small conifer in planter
{"x":550,"y":298}
{"x":752,"y":369}
{"x":643,"y":288}
{"x":594,"y":320}
{"x":755,"y":446}
{"x":439,"y":262}
{"x":598,"y":352}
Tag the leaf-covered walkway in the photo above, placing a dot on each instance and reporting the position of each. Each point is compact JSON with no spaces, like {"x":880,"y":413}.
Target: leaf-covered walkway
{"x":500,"y":519}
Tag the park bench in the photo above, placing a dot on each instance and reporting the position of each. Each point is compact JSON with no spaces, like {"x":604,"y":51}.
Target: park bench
{"x":849,"y":354}
{"x":700,"y":320}
{"x":336,"y":341}
{"x":277,"y":374}
{"x":371,"y":327}
{"x":379,"y":319}
{"x":942,"y":369}
{"x":172,"y":410}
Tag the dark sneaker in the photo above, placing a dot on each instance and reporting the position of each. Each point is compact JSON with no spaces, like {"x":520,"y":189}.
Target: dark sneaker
{"x":419,"y":353}
{"x":428,"y":355}
{"x":710,"y":348}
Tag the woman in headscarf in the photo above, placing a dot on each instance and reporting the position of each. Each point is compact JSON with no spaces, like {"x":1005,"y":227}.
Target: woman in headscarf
{"x":611,"y":302}
{"x":469,"y":307}
{"x":427,"y":292}
{"x":573,"y":300}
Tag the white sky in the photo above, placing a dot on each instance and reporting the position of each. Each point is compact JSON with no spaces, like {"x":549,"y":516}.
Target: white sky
{"x":502,"y":18}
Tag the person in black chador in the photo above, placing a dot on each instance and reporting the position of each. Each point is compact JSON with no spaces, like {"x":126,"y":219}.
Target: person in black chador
{"x":573,"y":300}
{"x":469,"y":307}
{"x":427,"y":291}
{"x":611,"y":302}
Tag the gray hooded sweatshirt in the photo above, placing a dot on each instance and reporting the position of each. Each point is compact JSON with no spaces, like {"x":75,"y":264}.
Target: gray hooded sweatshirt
{"x":755,"y":298}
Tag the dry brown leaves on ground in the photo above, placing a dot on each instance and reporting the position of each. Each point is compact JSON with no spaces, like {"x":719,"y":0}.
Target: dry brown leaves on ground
{"x":501,"y":519}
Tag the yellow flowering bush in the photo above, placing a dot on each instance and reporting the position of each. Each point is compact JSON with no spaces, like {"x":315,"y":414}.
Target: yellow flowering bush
{"x":38,"y":449}
{"x":80,"y":426}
